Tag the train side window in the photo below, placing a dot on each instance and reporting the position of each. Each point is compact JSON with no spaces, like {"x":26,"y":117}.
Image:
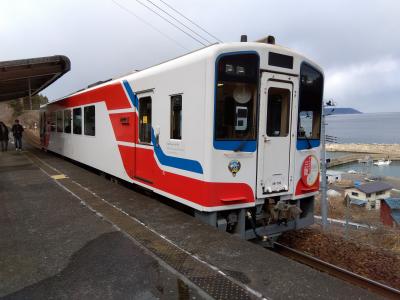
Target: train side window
{"x":67,"y":121}
{"x":42,"y":123}
{"x":176,"y":117}
{"x":53,"y":121}
{"x":60,"y":125}
{"x":145,"y":120}
{"x":90,"y":120}
{"x":77,"y":120}
{"x":278,"y":112}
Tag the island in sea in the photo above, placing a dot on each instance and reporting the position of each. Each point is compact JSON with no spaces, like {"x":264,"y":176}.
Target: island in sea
{"x":341,"y":111}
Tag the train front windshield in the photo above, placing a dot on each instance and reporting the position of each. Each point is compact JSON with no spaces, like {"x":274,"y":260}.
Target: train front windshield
{"x":236,"y":97}
{"x":310,"y":103}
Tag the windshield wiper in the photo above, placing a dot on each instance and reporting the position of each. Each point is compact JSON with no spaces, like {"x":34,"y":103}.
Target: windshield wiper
{"x":240,"y":147}
{"x":308,"y":141}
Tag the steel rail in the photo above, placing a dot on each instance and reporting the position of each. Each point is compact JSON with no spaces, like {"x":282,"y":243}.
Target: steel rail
{"x":348,"y":276}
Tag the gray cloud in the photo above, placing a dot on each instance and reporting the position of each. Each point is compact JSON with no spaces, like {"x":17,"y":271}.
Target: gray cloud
{"x":354,"y":41}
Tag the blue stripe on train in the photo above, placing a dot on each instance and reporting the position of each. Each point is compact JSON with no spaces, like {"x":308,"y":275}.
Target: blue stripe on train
{"x":303,"y":144}
{"x":166,"y":160}
{"x":132,"y":96}
{"x":175,"y":162}
{"x":244,"y":146}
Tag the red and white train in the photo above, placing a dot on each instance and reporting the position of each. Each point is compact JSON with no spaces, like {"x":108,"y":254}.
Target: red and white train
{"x":231,"y":130}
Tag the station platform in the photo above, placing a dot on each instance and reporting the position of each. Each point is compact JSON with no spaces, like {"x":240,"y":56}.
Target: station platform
{"x":66,"y":232}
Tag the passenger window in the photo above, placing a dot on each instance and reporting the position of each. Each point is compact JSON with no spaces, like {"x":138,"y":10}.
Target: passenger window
{"x":53,"y":117}
{"x":42,"y":124}
{"x":90,"y":120}
{"x":77,"y":120}
{"x":67,"y":121}
{"x":278,"y":112}
{"x":60,"y":125}
{"x":176,"y":117}
{"x":145,"y":120}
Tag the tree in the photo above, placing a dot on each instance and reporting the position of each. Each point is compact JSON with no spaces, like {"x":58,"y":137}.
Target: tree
{"x":17,"y":107}
{"x":37,"y":100}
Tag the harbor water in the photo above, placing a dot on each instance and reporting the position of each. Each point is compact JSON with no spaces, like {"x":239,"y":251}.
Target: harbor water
{"x":368,"y":128}
{"x":392,"y":170}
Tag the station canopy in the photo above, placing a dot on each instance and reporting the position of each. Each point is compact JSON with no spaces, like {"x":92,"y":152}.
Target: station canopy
{"x":24,"y":77}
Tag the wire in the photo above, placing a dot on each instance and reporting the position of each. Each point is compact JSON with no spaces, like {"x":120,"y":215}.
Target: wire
{"x":148,"y":24}
{"x":184,"y":25}
{"x":198,"y":26}
{"x":176,"y":26}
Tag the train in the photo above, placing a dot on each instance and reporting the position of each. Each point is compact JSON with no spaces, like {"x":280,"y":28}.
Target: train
{"x":231,"y":131}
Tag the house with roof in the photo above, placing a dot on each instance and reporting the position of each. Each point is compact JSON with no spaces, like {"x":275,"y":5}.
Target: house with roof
{"x":333,"y":176}
{"x":369,"y":194}
{"x":390,"y":212}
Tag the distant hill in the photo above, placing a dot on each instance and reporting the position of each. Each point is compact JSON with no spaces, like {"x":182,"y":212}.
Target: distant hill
{"x":341,"y":111}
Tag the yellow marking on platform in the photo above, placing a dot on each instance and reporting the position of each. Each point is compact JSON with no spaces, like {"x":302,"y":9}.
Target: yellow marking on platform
{"x":59,"y":176}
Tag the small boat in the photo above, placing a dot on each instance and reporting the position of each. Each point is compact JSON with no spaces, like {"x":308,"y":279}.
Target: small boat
{"x":382,"y":162}
{"x":351,"y":172}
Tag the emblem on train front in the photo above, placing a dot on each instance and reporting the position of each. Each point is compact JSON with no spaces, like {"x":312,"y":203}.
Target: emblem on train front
{"x":234,"y":167}
{"x":310,"y":170}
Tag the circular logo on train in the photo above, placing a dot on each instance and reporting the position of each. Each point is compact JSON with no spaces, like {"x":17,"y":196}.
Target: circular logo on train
{"x":234,"y":167}
{"x":310,"y":170}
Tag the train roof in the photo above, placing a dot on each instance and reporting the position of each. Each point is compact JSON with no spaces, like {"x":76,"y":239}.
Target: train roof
{"x":198,"y":54}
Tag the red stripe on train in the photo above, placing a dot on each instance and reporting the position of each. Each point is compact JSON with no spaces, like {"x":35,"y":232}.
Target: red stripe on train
{"x":124,"y":126}
{"x":203,"y":193}
{"x":112,"y":94}
{"x":140,"y":163}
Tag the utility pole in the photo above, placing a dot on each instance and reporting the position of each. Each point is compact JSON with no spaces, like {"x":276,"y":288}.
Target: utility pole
{"x":346,"y":232}
{"x":30,"y":93}
{"x":323,"y":200}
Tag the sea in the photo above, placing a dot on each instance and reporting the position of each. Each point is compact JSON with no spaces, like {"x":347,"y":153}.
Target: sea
{"x":369,"y":128}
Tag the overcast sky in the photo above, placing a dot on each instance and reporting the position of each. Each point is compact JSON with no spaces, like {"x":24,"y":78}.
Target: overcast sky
{"x":356,"y":42}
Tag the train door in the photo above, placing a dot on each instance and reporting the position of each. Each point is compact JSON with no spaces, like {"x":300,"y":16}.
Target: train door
{"x":274,"y":135}
{"x":144,"y":152}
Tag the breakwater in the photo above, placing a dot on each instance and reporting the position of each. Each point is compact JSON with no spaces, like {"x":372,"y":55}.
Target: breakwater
{"x":391,"y":150}
{"x":362,"y":152}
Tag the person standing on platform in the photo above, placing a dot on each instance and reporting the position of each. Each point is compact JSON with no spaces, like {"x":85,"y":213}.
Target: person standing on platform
{"x":3,"y":137}
{"x":17,"y":130}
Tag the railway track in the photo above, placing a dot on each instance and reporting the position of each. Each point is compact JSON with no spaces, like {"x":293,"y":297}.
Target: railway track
{"x":371,"y":285}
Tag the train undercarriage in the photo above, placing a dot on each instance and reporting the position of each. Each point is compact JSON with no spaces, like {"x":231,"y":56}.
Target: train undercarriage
{"x":266,"y":221}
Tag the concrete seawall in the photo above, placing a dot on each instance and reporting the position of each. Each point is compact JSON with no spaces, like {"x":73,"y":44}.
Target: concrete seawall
{"x":361,"y":156}
{"x":386,"y":149}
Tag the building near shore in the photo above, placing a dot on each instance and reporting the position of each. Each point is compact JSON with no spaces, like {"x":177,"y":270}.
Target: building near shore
{"x":390,"y":212}
{"x":369,"y":194}
{"x":333,"y":176}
